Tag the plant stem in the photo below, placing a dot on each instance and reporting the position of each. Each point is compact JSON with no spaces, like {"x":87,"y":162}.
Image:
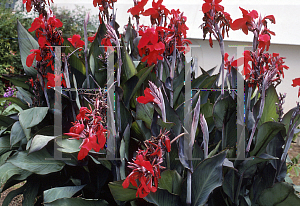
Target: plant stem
{"x":262,"y":104}
{"x":168,"y":160}
{"x":44,"y":89}
{"x":189,"y":188}
{"x":172,"y":74}
{"x":86,"y":50}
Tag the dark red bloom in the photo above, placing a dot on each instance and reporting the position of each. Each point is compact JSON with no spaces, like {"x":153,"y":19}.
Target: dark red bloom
{"x":264,"y":41}
{"x":54,"y":22}
{"x":156,"y":12}
{"x":28,"y":5}
{"x":76,"y":42}
{"x":82,"y":113}
{"x":36,"y":53}
{"x":107,"y":44}
{"x":245,"y":22}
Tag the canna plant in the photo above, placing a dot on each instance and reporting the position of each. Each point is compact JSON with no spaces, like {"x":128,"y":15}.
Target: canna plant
{"x":159,"y":145}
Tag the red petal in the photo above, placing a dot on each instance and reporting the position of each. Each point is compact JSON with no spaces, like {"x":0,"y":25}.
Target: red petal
{"x":82,"y":153}
{"x":296,"y":82}
{"x":206,"y":7}
{"x":271,"y":18}
{"x":143,"y":100}
{"x":238,"y":23}
{"x":125,"y":184}
{"x":30,"y":59}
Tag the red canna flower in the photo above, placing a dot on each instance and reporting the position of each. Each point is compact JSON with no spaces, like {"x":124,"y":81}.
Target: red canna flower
{"x":51,"y":83}
{"x":92,"y":38}
{"x":37,"y":23}
{"x":246,"y":21}
{"x":264,"y":41}
{"x":107,"y":43}
{"x":54,"y":22}
{"x":296,"y":82}
{"x":147,"y":98}
{"x":138,"y":8}
{"x":156,"y":12}
{"x":36,"y":54}
{"x":76,"y":42}
{"x":209,"y":4}
{"x":82,"y":113}
{"x":28,"y":5}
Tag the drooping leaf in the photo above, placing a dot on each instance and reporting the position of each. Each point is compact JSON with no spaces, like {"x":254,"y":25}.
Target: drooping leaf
{"x":128,"y":67}
{"x":39,"y":142}
{"x":5,"y":144}
{"x":60,"y":192}
{"x":145,"y":112}
{"x":16,"y":134}
{"x":7,"y":170}
{"x":69,"y":145}
{"x":206,"y":177}
{"x":40,"y":162}
{"x":30,"y":192}
{"x":24,"y":96}
{"x":26,"y":43}
{"x":280,"y":194}
{"x":6,"y":121}
{"x":15,"y":101}
{"x":31,"y":117}
{"x":121,"y":194}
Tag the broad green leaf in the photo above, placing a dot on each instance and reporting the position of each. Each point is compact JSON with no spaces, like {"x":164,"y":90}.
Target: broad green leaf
{"x":69,"y":145}
{"x":121,"y":194}
{"x":31,"y":117}
{"x":18,"y":80}
{"x":281,"y":194}
{"x":230,"y":184}
{"x":4,"y":144}
{"x":40,"y":162}
{"x":140,"y":131}
{"x":77,"y":202}
{"x":145,"y":112}
{"x":24,"y":96}
{"x":265,"y":134}
{"x":17,"y":134}
{"x":134,"y":83}
{"x":269,"y":113}
{"x":39,"y":142}
{"x":163,"y":197}
{"x":7,"y":170}
{"x":287,"y":118}
{"x":16,"y":101}
{"x":60,"y":192}
{"x":26,"y":43}
{"x":222,"y":111}
{"x":127,"y":67}
{"x":6,"y":121}
{"x":170,"y":180}
{"x":206,"y":177}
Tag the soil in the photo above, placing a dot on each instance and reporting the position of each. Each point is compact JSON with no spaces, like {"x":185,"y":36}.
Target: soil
{"x":17,"y":201}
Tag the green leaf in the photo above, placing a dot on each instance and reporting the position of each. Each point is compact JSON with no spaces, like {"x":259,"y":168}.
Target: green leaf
{"x":222,"y":111}
{"x":5,"y":144}
{"x":60,"y":192}
{"x":7,"y":170}
{"x":269,"y":113}
{"x":265,"y":134}
{"x":164,"y":198}
{"x":40,"y":162}
{"x":39,"y":142}
{"x":26,"y":43}
{"x":145,"y":112}
{"x":6,"y":121}
{"x":31,"y":117}
{"x":171,"y":181}
{"x":15,"y":101}
{"x":134,"y":83}
{"x":206,"y":177}
{"x":140,"y":131}
{"x":77,"y":202}
{"x":69,"y":145}
{"x":16,"y":134}
{"x":17,"y":80}
{"x":281,"y":194}
{"x":127,"y":67}
{"x":24,"y":96}
{"x":121,"y":194}
{"x":287,"y":118}
{"x":246,"y":164}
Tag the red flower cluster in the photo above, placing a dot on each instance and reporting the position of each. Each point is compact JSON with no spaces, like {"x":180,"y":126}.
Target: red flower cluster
{"x":150,"y":46}
{"x":103,"y":6}
{"x":157,"y":12}
{"x":247,"y":23}
{"x":146,"y":166}
{"x":90,"y":126}
{"x":51,"y":83}
{"x":138,"y":8}
{"x":76,"y":41}
{"x":216,"y":20}
{"x":29,"y":4}
{"x":260,"y":64}
{"x":147,"y":98}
